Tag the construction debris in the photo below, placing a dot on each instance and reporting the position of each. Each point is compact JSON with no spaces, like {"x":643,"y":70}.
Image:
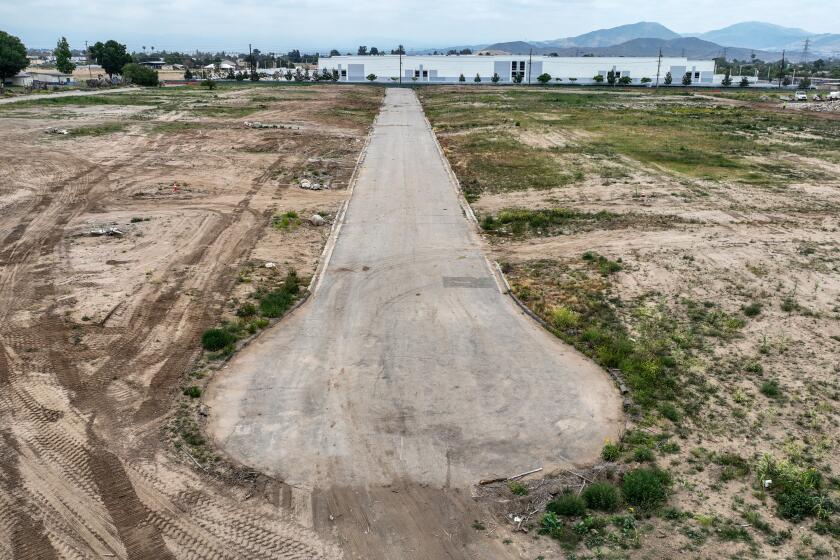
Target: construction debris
{"x":111,"y":231}
{"x":504,"y":478}
{"x":317,"y":220}
{"x":54,"y":130}
{"x":311,"y":185}
{"x":258,"y":124}
{"x":270,"y":265}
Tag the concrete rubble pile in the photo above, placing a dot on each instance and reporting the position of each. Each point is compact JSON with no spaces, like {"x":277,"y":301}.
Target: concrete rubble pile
{"x":258,"y":124}
{"x":820,"y":106}
{"x":312,"y":185}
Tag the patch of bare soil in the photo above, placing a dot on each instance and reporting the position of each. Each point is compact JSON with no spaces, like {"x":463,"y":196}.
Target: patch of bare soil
{"x":117,"y":251}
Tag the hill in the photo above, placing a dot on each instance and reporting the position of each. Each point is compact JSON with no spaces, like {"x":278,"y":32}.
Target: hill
{"x":757,"y":35}
{"x":691,"y":47}
{"x":615,"y":35}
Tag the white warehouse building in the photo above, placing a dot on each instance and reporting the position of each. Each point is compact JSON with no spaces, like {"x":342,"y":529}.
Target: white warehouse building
{"x":448,"y":69}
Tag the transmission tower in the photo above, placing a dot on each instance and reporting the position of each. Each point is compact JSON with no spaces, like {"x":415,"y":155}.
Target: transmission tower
{"x":805,"y":51}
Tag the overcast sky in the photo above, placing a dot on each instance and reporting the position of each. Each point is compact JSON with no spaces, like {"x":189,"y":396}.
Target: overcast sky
{"x":280,"y":25}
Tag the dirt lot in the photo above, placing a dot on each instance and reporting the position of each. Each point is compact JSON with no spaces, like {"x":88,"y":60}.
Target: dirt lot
{"x":98,"y":332}
{"x":692,"y":247}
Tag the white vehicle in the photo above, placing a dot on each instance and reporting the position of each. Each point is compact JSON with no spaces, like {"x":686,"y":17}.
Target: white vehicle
{"x":800,"y":95}
{"x":833,"y":96}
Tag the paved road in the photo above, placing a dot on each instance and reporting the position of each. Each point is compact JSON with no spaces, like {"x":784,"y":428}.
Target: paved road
{"x":71,"y":93}
{"x":408,"y":363}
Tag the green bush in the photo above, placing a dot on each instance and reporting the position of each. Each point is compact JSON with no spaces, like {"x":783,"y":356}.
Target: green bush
{"x":771,"y":389}
{"x":602,"y":496}
{"x":140,"y":75}
{"x":246,"y":310}
{"x":216,"y":339}
{"x":610,"y":452}
{"x":567,"y":504}
{"x":518,"y":488}
{"x":646,"y":489}
{"x":643,"y":454}
{"x":193,"y":392}
{"x":669,"y":411}
{"x":754,"y":367}
{"x":564,"y":318}
{"x":752,"y":309}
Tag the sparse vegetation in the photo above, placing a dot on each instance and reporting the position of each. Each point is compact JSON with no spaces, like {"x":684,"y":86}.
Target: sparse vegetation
{"x":715,"y":377}
{"x":276,"y":302}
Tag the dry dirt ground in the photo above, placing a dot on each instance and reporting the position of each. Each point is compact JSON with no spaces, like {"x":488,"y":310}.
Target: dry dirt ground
{"x":760,"y":254}
{"x":97,"y":333}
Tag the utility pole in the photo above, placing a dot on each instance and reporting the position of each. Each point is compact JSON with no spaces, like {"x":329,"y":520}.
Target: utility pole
{"x":530,"y":52}
{"x":658,"y":66}
{"x":87,"y":58}
{"x":251,"y":60}
{"x":399,"y":51}
{"x":782,"y":72}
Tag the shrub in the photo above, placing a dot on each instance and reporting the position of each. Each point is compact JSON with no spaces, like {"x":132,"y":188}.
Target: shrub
{"x":544,"y":78}
{"x":518,"y":488}
{"x":752,"y":309}
{"x":602,"y":496}
{"x":610,"y":452}
{"x":246,"y":310}
{"x":753,"y":366}
{"x":646,"y":489}
{"x":567,"y":504}
{"x":216,"y":339}
{"x":553,"y":527}
{"x":193,"y":392}
{"x":140,"y":75}
{"x":564,"y":318}
{"x":371,"y":77}
{"x":789,"y":304}
{"x":669,"y":411}
{"x":771,"y":389}
{"x":643,"y":454}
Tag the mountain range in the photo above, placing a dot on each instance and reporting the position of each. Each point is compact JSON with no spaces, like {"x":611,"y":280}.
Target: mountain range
{"x":741,"y":40}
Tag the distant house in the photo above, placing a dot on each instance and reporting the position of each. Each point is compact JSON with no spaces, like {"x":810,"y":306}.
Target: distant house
{"x":156,"y":64}
{"x":223,"y":65}
{"x":21,"y":79}
{"x":51,"y":78}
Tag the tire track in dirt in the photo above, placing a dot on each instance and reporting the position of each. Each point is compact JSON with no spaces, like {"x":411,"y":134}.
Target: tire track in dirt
{"x":78,"y":482}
